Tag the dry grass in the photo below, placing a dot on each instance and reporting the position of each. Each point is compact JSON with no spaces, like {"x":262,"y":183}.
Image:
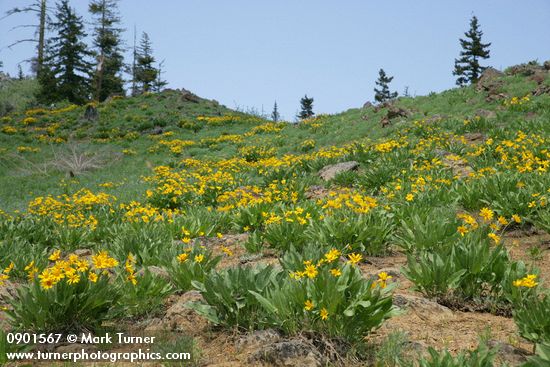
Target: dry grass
{"x":73,"y":159}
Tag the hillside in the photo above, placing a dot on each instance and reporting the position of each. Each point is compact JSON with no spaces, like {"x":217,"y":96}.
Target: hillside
{"x":431,"y":237}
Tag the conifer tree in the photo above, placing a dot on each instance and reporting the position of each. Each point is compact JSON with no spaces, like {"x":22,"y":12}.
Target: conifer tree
{"x":107,"y":79}
{"x":383,"y":94}
{"x":145,"y":74}
{"x":20,"y":74}
{"x":467,"y":67}
{"x":306,"y":108}
{"x":275,"y":116}
{"x":66,"y":67}
{"x":159,"y":82}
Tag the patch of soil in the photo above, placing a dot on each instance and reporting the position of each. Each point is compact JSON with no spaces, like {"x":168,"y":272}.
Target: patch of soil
{"x":531,"y":247}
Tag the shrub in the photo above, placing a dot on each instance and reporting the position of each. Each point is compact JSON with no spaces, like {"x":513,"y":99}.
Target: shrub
{"x":228,"y":296}
{"x":69,"y":296}
{"x":141,"y":295}
{"x":531,"y":317}
{"x":469,"y":270}
{"x":338,"y":304}
{"x":369,"y":233}
{"x":542,"y":357}
{"x":194,"y":264}
{"x":427,"y":229}
{"x":480,"y":357}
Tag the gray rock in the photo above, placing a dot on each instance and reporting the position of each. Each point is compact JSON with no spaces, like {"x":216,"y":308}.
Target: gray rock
{"x":188,"y":96}
{"x":7,"y":290}
{"x":420,"y":304}
{"x":91,"y":113}
{"x":475,"y":137}
{"x":489,"y":81}
{"x":293,"y":352}
{"x":83,"y":252}
{"x":180,"y":317}
{"x":257,"y":339}
{"x":367,"y":105}
{"x":327,"y":173}
{"x":486,"y":113}
{"x":509,"y":353}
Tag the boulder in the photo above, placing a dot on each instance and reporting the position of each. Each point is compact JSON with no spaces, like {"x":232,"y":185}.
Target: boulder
{"x":189,"y":97}
{"x":420,"y":304}
{"x":293,"y":352}
{"x":367,"y":105}
{"x":327,"y":173}
{"x":486,"y":113}
{"x":157,"y":130}
{"x":394,"y":112}
{"x":526,"y":69}
{"x":91,"y":113}
{"x":475,"y":138}
{"x":83,"y":252}
{"x":509,"y":353}
{"x":181,"y":318}
{"x":489,"y":81}
{"x":541,"y":89}
{"x":257,"y":339}
{"x":539,"y":76}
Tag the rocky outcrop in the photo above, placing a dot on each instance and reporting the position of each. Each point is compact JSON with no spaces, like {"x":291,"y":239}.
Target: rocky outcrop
{"x":327,"y":173}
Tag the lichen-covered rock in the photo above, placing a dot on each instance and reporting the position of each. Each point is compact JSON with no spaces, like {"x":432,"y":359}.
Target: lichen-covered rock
{"x":327,"y":173}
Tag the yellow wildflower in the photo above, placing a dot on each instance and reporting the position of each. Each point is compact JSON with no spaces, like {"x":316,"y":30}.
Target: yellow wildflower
{"x":486,"y":213}
{"x":332,"y":255}
{"x":462,"y":230}
{"x":55,"y":256}
{"x":182,"y":257}
{"x":311,"y":271}
{"x":494,"y":237}
{"x":199,"y":258}
{"x":527,"y":281}
{"x":336,"y":272}
{"x":354,"y":258}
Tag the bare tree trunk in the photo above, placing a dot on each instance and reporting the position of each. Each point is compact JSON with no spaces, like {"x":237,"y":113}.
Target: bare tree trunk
{"x":101,"y":59}
{"x":134,"y":86}
{"x":41,"y":34}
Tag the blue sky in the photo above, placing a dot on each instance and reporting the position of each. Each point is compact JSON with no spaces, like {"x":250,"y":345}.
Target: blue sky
{"x":249,"y":53}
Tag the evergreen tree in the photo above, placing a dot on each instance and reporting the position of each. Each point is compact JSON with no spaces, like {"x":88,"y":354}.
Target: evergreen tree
{"x":145,"y":74}
{"x":20,"y":74}
{"x":160,"y":83}
{"x":467,"y":67}
{"x":110,"y":61}
{"x":383,"y":94}
{"x":66,"y":69}
{"x":275,"y":116}
{"x":306,"y":106}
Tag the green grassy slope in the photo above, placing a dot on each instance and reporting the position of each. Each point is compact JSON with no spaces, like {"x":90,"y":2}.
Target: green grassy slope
{"x":161,"y":180}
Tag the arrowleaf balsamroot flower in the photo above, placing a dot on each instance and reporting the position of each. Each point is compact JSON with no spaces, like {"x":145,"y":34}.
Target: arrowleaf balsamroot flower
{"x":354,"y":258}
{"x":527,"y":281}
{"x":486,"y":213}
